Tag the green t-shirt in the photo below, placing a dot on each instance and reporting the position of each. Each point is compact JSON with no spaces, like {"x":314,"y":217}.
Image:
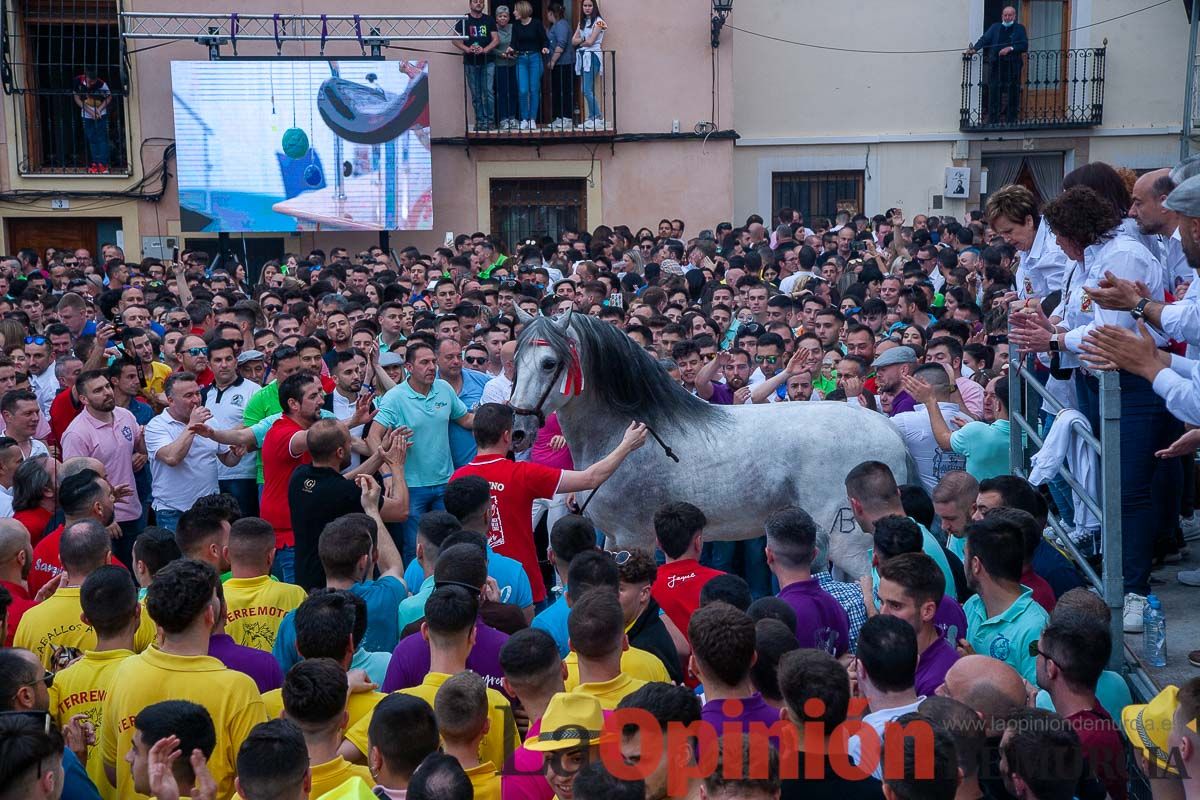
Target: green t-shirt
{"x":262,"y":404}
{"x":1007,"y":635}
{"x":429,"y":416}
{"x":985,"y":446}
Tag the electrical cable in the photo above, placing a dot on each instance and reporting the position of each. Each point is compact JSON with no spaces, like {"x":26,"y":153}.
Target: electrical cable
{"x":836,"y":49}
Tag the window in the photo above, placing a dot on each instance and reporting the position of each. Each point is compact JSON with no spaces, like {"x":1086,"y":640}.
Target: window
{"x":817,"y":194}
{"x":63,"y":69}
{"x":529,"y":208}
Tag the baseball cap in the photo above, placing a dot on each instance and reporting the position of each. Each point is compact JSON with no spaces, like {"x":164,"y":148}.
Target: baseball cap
{"x":246,"y":356}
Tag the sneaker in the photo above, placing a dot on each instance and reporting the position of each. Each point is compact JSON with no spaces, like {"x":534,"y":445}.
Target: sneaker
{"x":1135,"y":605}
{"x":590,"y":125}
{"x":599,"y":123}
{"x":1189,"y":577}
{"x":509,"y":125}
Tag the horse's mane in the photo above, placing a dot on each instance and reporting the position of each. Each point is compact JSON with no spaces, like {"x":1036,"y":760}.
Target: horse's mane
{"x":621,"y":375}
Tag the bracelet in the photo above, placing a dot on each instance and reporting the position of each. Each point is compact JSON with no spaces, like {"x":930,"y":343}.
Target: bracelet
{"x":385,"y":475}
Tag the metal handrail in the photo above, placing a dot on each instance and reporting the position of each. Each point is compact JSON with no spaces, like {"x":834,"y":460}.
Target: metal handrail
{"x":1057,"y":88}
{"x":1026,"y":399}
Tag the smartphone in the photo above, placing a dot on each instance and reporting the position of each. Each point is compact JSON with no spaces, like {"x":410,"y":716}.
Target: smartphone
{"x":449,"y":240}
{"x":175,"y":256}
{"x":857,"y":246}
{"x":616,"y":300}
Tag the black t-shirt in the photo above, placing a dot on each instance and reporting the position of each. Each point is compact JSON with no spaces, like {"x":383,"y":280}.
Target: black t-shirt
{"x":830,"y":786}
{"x":318,"y":496}
{"x":476,"y":31}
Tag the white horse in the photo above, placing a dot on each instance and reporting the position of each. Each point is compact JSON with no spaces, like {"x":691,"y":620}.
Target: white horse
{"x":736,"y":463}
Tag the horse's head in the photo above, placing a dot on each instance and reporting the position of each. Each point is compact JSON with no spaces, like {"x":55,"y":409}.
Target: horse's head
{"x":548,"y":374}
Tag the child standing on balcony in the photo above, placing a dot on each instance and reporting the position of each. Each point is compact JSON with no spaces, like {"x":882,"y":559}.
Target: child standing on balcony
{"x":589,"y":36}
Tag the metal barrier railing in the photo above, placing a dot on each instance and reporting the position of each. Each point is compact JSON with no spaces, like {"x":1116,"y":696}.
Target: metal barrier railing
{"x":1027,"y":398}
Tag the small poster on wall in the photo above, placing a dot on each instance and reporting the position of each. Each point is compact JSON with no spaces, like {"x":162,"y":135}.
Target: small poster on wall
{"x":958,"y":182}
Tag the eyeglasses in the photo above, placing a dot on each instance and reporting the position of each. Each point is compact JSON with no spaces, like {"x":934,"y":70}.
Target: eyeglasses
{"x":767,"y":359}
{"x":477,"y":361}
{"x":35,"y":340}
{"x":197,"y":351}
{"x":621,"y":556}
{"x":47,"y":678}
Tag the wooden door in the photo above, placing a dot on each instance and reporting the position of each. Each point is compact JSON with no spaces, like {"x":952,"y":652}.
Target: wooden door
{"x":63,"y":233}
{"x":1044,"y":92}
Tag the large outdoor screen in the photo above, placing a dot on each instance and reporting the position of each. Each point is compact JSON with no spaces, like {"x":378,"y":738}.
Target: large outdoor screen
{"x":302,"y":145}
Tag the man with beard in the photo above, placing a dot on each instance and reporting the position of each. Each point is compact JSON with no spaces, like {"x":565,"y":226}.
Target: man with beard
{"x":112,"y":436}
{"x":348,"y":369}
{"x":891,"y":368}
{"x":697,"y":375}
{"x":16,"y":559}
{"x":737,"y":367}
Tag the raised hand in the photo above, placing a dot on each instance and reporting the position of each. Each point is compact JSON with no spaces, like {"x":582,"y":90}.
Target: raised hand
{"x":370,"y":492}
{"x":364,"y":412}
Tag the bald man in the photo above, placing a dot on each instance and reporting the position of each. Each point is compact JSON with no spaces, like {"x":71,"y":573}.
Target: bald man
{"x":989,"y":687}
{"x":499,"y":388}
{"x":1154,"y":219}
{"x":1002,"y":46}
{"x":16,"y":559}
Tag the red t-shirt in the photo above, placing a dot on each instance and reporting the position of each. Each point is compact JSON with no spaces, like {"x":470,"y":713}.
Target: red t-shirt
{"x":677,"y":589}
{"x":63,"y":411}
{"x":46,"y":563}
{"x":278,"y":466}
{"x":22,"y":601}
{"x":1043,"y":595}
{"x":35,"y":521}
{"x":514,"y":487}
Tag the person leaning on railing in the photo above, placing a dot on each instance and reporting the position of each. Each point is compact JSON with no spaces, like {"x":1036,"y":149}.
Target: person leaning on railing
{"x":1085,"y":225}
{"x":1003,"y":44}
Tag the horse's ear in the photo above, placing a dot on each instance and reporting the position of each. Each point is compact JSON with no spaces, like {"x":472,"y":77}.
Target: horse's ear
{"x":564,"y":322}
{"x":523,"y":316}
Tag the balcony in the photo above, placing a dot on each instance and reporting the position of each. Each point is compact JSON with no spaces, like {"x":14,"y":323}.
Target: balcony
{"x":1054,"y":89}
{"x":564,"y":113}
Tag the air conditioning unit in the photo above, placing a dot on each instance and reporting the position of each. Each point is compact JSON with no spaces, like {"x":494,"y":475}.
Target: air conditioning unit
{"x":159,"y":246}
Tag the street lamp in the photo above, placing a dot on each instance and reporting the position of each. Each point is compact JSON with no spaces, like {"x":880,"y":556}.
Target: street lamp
{"x":720,"y":11}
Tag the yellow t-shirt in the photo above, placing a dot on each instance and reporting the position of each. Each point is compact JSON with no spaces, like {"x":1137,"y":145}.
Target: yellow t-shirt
{"x":81,"y":689}
{"x":156,"y":380}
{"x":55,"y":624}
{"x":360,"y":704}
{"x":256,"y":606}
{"x":610,"y":693}
{"x":485,"y":780}
{"x":332,"y":774}
{"x":500,"y":740}
{"x":636,"y":663}
{"x":231,"y":698}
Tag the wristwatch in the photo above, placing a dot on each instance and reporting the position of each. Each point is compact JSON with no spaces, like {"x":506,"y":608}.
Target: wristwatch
{"x":1054,"y":348}
{"x":1139,"y":311}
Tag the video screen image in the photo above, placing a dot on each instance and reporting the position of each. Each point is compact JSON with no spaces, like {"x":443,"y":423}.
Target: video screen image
{"x":302,"y":145}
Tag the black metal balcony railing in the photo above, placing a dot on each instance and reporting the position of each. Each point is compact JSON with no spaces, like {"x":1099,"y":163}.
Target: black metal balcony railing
{"x":568,"y":106}
{"x":1049,"y":89}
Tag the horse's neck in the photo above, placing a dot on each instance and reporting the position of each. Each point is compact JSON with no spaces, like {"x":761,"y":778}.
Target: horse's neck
{"x":591,"y":430}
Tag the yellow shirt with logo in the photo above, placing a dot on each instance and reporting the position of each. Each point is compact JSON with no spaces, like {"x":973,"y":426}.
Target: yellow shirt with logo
{"x":332,"y":774}
{"x":500,"y":740}
{"x":231,"y":698}
{"x":635,"y":663}
{"x":256,"y":607}
{"x":53,"y":628}
{"x":82,"y":689}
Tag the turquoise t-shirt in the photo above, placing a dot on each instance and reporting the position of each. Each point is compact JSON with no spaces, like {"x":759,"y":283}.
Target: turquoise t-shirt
{"x":382,"y":597}
{"x":553,"y":620}
{"x":413,"y":608}
{"x":428,"y":416}
{"x":508,"y":573}
{"x":1111,"y":690}
{"x":1006,"y":636}
{"x":985,"y":446}
{"x":958,"y":546}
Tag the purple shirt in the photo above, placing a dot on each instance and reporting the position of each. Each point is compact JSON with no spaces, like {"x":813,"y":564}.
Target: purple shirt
{"x":258,"y":664}
{"x":410,"y":660}
{"x":821,"y":622}
{"x":950,"y":614}
{"x":933,"y":665}
{"x":722,"y":395}
{"x":903,"y":401}
{"x":750,"y":709}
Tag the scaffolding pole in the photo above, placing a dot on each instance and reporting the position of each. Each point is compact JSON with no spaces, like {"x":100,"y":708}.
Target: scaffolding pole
{"x":282,"y":28}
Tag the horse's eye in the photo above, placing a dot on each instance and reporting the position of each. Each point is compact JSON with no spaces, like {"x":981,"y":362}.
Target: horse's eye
{"x":547,"y":364}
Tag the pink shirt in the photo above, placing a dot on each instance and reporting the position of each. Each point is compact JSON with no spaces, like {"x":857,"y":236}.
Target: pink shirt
{"x":542,"y":454}
{"x":112,"y":445}
{"x":972,"y":396}
{"x":42,"y":433}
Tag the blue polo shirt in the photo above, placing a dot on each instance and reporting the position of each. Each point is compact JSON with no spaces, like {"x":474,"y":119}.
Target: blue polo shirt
{"x":553,"y":620}
{"x":508,"y":573}
{"x":1007,"y":635}
{"x":413,"y":608}
{"x":428,"y":416}
{"x":462,"y":441}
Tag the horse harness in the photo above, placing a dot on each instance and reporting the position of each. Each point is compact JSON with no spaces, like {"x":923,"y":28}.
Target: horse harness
{"x":573,"y":387}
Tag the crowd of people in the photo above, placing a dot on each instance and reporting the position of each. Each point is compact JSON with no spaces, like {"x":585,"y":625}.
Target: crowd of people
{"x":267,"y":535}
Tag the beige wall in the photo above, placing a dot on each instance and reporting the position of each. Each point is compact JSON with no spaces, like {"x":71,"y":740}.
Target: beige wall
{"x":663,"y":75}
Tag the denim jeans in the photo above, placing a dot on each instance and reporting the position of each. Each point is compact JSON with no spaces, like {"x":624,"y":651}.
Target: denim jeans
{"x":95,"y":131}
{"x":167,"y":518}
{"x":1149,"y":486}
{"x":420,"y":500}
{"x":284,"y":568}
{"x":245,"y":491}
{"x":506,"y":93}
{"x":529,"y":84}
{"x":720,"y":555}
{"x":589,"y":86}
{"x":479,"y":81}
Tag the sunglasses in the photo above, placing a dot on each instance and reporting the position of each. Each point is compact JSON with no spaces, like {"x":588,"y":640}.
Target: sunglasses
{"x":175,"y":323}
{"x":621,"y":556}
{"x":766,"y":359}
{"x":272,"y":309}
{"x":35,"y":340}
{"x":476,"y":361}
{"x":1035,"y":650}
{"x":197,"y":351}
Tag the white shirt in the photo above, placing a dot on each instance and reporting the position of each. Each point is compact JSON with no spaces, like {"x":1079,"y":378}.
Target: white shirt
{"x":1181,"y":320}
{"x":1175,"y":261}
{"x":497,"y":390}
{"x":788,"y":284}
{"x":46,"y":387}
{"x":1179,"y":386}
{"x":879,"y":720}
{"x":177,"y":488}
{"x":6,"y":509}
{"x":1040,"y":269}
{"x":344,"y":409}
{"x":228,"y":406}
{"x":932,"y":461}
